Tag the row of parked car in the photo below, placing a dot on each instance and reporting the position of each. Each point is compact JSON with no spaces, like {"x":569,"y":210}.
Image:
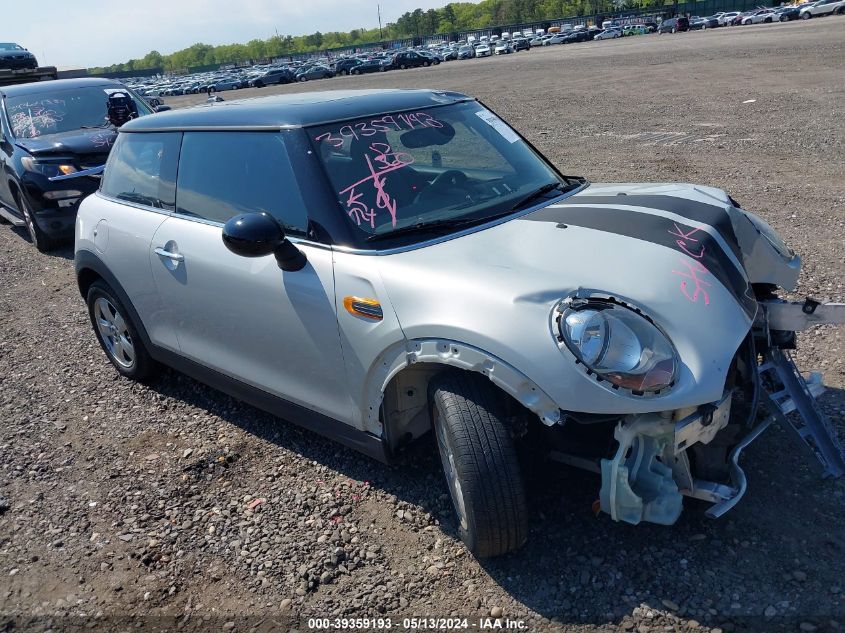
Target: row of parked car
{"x":369,"y":62}
{"x":760,"y":15}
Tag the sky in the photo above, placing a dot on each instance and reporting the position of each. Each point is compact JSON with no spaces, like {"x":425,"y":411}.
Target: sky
{"x":88,"y":33}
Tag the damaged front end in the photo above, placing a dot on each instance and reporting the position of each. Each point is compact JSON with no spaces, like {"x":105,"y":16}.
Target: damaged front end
{"x":655,"y":459}
{"x":661,"y":457}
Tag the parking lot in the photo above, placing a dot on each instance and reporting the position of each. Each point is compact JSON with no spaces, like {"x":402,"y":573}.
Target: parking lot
{"x":172,"y":500}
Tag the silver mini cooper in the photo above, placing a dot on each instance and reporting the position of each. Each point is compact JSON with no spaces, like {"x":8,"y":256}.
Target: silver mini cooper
{"x":375,"y":265}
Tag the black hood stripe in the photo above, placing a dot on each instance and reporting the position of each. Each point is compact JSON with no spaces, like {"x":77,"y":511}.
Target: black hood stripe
{"x":703,"y":212}
{"x":700,"y":253}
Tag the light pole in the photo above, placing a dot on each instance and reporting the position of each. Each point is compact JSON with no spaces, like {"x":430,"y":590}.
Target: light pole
{"x":378,"y":8}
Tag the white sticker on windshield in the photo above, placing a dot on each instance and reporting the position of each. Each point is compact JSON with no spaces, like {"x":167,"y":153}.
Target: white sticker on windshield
{"x":497,"y":124}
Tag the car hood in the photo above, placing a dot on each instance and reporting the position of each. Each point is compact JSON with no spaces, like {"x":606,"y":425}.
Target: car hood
{"x":88,"y":143}
{"x":669,"y":250}
{"x":15,"y":54}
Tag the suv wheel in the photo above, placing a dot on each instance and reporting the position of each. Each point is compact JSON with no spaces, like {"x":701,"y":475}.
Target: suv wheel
{"x":39,"y":238}
{"x":118,"y":335}
{"x":480,"y":462}
{"x":344,"y":72}
{"x":806,"y":15}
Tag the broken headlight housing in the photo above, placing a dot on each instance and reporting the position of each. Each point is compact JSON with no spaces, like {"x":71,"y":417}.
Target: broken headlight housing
{"x":619,"y":344}
{"x":770,"y":235}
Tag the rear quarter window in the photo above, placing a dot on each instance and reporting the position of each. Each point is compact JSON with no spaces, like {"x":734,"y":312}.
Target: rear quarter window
{"x":142,"y":169}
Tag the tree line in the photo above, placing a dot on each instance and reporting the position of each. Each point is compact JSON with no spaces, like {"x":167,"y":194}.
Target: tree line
{"x":452,"y":18}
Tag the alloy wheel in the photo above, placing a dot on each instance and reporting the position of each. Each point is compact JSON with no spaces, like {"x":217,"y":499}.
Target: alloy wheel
{"x":113,"y":331}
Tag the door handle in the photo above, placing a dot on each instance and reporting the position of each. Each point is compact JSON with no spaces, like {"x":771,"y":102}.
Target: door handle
{"x":176,"y":257}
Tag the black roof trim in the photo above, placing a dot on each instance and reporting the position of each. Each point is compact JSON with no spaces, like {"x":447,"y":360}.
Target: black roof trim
{"x":293,"y":110}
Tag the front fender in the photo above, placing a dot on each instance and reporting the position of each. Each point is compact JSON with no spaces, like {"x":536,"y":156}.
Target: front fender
{"x":453,"y":354}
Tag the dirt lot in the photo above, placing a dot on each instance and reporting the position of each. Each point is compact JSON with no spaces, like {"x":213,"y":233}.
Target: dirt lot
{"x":177,"y":503}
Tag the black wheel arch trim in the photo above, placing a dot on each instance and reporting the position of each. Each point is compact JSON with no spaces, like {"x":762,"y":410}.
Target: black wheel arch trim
{"x":363,"y":442}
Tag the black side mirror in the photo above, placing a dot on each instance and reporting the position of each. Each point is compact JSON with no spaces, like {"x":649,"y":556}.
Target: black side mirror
{"x":162,"y":108}
{"x":258,"y":235}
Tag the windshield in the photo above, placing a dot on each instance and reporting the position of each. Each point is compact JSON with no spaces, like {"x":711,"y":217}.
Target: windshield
{"x":54,"y":112}
{"x":448,"y":163}
{"x":8,"y":46}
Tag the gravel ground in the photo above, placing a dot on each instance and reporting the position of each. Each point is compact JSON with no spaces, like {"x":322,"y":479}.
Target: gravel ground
{"x":174,"y":501}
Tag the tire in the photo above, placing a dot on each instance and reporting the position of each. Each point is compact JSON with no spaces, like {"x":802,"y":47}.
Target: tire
{"x":37,"y":236}
{"x":402,"y":66}
{"x":426,"y":64}
{"x":356,"y":72}
{"x":303,"y":78}
{"x":480,"y":462}
{"x":674,"y":30}
{"x":806,"y":15}
{"x":768,"y":21}
{"x":118,"y":335}
{"x":344,"y":72}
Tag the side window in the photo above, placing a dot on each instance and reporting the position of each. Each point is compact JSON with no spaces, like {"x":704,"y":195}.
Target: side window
{"x":142,"y":169}
{"x":224,"y":174}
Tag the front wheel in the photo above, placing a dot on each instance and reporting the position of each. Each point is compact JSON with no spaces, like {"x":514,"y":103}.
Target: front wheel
{"x":344,"y":72}
{"x":480,"y":462}
{"x":118,"y":335}
{"x":303,"y":78}
{"x":806,"y":15}
{"x":37,"y":236}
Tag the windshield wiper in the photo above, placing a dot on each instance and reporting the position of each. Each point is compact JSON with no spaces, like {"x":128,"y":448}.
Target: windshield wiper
{"x":453,"y":223}
{"x":539,"y":193}
{"x":435,"y":225}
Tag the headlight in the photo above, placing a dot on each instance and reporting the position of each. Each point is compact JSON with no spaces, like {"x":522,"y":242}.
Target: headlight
{"x":619,"y":345}
{"x":48,"y":169}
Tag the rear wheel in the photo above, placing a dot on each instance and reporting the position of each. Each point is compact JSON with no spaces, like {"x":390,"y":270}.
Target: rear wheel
{"x":402,"y":66}
{"x":303,"y":78}
{"x":479,"y":461}
{"x":806,"y":15}
{"x":118,"y":335}
{"x":37,"y":236}
{"x":344,"y":72}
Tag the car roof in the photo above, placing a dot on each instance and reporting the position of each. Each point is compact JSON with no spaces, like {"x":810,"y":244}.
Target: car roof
{"x":39,"y":87}
{"x":294,"y":110}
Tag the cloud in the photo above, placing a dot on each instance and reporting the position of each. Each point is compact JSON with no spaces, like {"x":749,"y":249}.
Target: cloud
{"x":87,"y":33}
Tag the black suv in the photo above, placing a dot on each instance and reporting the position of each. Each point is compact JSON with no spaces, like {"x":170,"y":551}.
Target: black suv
{"x":16,"y":57}
{"x":674,"y":25}
{"x":55,"y":137}
{"x":409,"y":59}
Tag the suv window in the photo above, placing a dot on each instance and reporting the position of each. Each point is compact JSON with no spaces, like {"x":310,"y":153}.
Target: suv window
{"x":142,"y":169}
{"x":224,"y":174}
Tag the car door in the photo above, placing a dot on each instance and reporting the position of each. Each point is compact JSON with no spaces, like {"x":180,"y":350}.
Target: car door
{"x":245,"y":317}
